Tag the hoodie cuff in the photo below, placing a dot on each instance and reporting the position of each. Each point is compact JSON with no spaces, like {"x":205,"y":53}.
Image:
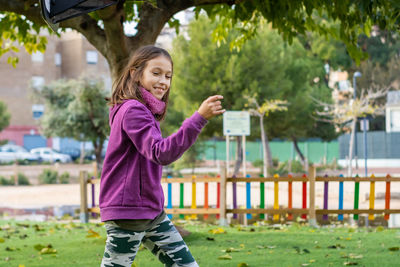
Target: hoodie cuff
{"x":198,"y":121}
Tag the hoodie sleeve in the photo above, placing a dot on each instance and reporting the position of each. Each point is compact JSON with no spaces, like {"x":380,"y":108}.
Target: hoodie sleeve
{"x":140,"y":125}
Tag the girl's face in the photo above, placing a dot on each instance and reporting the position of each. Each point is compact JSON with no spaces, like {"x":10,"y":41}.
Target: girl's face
{"x":157,"y":76}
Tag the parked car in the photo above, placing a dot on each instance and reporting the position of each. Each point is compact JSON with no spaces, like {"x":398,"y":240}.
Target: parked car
{"x":74,"y":153}
{"x":49,"y":154}
{"x":10,"y":153}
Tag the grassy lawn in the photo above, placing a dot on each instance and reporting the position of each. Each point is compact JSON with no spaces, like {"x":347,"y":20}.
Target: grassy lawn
{"x":52,"y":244}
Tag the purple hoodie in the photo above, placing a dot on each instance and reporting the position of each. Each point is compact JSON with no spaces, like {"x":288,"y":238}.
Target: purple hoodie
{"x":130,"y":186}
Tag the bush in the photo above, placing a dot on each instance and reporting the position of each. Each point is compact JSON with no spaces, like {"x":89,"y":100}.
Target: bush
{"x":275,"y":162}
{"x":22,"y":179}
{"x":64,"y":178}
{"x":48,"y":176}
{"x":258,"y":163}
{"x":5,"y":181}
{"x":284,"y":168}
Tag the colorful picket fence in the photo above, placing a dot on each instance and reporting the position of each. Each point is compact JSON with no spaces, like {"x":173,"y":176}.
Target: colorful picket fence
{"x":308,"y":195}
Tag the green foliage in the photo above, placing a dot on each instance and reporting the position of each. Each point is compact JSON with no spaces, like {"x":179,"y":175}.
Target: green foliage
{"x":75,"y":109}
{"x":14,"y":29}
{"x":23,"y":179}
{"x":284,"y":168}
{"x":259,"y":163}
{"x":5,"y":181}
{"x":64,"y":178}
{"x":4,"y":116}
{"x":266,"y":67}
{"x":48,"y":176}
{"x":291,"y":18}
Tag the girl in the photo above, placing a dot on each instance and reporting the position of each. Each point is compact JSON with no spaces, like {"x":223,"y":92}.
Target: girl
{"x":131,"y":196}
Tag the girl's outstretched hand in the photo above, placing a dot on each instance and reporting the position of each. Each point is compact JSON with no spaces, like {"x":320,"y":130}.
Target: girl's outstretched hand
{"x":211,"y":107}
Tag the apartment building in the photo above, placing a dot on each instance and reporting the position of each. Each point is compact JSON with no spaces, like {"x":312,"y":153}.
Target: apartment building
{"x":68,"y":56}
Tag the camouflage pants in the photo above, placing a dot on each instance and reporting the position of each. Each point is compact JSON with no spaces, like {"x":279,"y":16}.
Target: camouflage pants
{"x":163,"y":240}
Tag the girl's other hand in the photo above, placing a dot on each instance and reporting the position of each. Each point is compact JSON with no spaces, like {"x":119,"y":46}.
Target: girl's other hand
{"x":211,"y":107}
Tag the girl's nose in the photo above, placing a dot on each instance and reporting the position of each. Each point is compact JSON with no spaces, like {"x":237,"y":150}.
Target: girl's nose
{"x":164,"y":80}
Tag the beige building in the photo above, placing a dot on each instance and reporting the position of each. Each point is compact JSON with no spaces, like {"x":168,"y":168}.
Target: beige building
{"x":69,"y":56}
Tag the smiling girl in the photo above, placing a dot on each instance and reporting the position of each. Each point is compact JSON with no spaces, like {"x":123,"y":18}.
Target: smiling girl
{"x":131,"y":196}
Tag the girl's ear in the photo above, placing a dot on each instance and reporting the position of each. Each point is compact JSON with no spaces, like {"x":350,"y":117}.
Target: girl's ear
{"x":131,"y":72}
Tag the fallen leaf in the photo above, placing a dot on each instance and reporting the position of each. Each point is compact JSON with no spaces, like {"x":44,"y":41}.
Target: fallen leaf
{"x":242,"y":264}
{"x":38,"y":228}
{"x":40,"y":247}
{"x":218,"y":230}
{"x":2,"y":240}
{"x":225,"y":257}
{"x":23,"y":225}
{"x":93,"y":234}
{"x":350,"y":263}
{"x":312,"y":261}
{"x":48,"y":251}
{"x":355,"y":256}
{"x":21,"y":265}
{"x":394,"y":249}
{"x":23,"y":236}
{"x":337,"y":246}
{"x":231,"y":250}
{"x":12,"y":249}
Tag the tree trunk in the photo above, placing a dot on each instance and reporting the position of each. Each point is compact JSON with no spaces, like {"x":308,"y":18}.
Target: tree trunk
{"x":82,"y":156}
{"x":98,"y":147}
{"x":239,"y":155}
{"x":351,"y":145}
{"x":298,"y":151}
{"x":266,"y":149}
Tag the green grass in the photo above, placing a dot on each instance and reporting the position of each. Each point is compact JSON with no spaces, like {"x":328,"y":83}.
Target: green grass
{"x":254,"y":245}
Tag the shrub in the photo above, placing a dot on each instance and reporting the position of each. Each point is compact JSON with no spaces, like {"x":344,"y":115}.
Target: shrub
{"x":22,"y":179}
{"x":285,"y":167}
{"x":275,"y":162}
{"x":258,"y":163}
{"x":48,"y":176}
{"x":5,"y":181}
{"x":64,"y":178}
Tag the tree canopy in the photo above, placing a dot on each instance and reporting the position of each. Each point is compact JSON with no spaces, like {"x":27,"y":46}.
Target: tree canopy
{"x":265,"y":67}
{"x":20,"y":21}
{"x":76,"y":109}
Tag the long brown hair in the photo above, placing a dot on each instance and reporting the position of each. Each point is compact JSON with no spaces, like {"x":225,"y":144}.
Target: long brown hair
{"x":128,"y":84}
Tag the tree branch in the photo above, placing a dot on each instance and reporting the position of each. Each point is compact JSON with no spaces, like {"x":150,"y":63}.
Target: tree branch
{"x":116,"y":41}
{"x":30,"y":9}
{"x":89,"y":28}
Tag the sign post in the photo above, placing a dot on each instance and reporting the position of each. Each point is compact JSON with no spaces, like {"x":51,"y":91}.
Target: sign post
{"x":236,"y":123}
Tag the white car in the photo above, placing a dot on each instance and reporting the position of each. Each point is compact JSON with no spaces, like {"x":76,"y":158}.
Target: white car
{"x":10,"y":153}
{"x":49,"y":154}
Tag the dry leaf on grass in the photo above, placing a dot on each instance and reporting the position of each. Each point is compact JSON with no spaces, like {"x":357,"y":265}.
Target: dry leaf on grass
{"x":225,"y":257}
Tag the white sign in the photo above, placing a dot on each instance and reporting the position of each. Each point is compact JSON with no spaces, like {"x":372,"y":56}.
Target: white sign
{"x":236,"y":123}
